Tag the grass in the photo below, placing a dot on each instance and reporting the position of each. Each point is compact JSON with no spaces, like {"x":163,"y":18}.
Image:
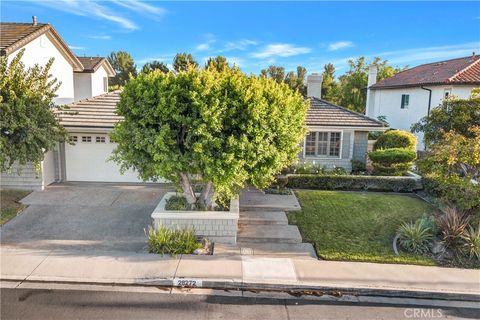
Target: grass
{"x":357,"y":226}
{"x":10,"y":205}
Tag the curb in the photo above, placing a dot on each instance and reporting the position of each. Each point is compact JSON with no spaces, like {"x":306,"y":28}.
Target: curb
{"x":472,"y":300}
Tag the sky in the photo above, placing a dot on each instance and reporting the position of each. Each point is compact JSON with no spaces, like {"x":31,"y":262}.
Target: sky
{"x":254,"y":35}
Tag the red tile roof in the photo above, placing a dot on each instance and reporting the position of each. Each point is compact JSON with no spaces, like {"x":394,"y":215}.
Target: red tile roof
{"x":456,"y":71}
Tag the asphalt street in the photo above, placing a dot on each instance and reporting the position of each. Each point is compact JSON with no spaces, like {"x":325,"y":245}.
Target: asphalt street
{"x":42,"y":304}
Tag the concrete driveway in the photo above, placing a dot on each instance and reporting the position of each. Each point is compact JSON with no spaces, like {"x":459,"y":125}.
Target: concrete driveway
{"x":86,"y":216}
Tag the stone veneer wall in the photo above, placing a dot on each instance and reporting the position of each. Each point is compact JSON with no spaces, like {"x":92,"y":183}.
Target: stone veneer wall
{"x":218,"y":226}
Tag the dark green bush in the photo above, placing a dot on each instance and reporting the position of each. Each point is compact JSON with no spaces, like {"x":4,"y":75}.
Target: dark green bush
{"x":176,"y":203}
{"x":398,"y":169}
{"x":396,"y":139}
{"x":348,"y":182}
{"x":172,"y":241}
{"x":358,"y":166}
{"x":391,"y":156}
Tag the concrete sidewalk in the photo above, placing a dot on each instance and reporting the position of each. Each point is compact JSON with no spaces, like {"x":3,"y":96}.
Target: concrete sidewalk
{"x":293,"y":275}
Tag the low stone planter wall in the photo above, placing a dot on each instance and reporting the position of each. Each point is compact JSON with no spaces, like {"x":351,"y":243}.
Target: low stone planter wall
{"x":218,"y":226}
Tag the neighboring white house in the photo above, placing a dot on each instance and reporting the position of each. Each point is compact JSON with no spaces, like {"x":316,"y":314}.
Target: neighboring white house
{"x":336,"y":135}
{"x":409,"y":95}
{"x":93,"y":79}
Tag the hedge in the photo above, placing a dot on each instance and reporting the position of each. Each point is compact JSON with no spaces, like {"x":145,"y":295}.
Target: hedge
{"x":392,"y":156}
{"x":396,"y":139}
{"x":336,"y":182}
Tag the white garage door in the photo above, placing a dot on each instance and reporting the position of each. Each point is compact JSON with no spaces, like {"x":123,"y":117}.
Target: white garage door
{"x":87,"y":160}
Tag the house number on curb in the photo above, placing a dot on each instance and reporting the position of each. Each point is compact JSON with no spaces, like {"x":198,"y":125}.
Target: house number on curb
{"x":189,"y":283}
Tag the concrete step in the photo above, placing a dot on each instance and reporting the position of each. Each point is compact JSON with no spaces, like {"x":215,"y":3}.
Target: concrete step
{"x":263,"y":217}
{"x":268,"y":233}
{"x":279,"y":249}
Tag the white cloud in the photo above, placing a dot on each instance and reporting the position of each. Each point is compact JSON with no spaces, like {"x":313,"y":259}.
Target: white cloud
{"x":281,"y":50}
{"x":242,"y":44}
{"x":140,"y":6}
{"x":203,"y":47}
{"x":334,"y":46}
{"x":101,"y":37}
{"x":206,"y":45}
{"x":77,"y":47}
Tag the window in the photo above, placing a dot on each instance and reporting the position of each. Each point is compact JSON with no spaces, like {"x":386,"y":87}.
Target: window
{"x":73,"y":138}
{"x":105,"y":84}
{"x":100,"y":139}
{"x":323,"y":144}
{"x":405,"y":101}
{"x":447,"y":93}
{"x":86,"y":139}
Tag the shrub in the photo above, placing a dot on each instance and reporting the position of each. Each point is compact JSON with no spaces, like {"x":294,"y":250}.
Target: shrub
{"x":471,"y":242}
{"x":392,"y":156}
{"x":396,"y":139}
{"x":452,"y":225}
{"x":415,"y":237}
{"x":358,"y":166}
{"x":169,"y":241}
{"x":336,"y":182}
{"x":176,"y":203}
{"x":338,"y":171}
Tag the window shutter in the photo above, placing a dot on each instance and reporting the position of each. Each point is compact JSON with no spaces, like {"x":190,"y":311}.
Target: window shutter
{"x":402,"y":105}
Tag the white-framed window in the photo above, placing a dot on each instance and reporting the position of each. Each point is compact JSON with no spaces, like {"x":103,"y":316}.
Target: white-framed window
{"x":86,"y":139}
{"x":447,"y":93}
{"x":323,"y":144}
{"x":105,"y":84}
{"x":99,"y":139}
{"x":405,"y":101}
{"x":73,"y":138}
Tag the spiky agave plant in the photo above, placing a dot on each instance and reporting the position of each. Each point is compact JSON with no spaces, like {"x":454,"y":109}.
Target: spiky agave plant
{"x":415,"y":237}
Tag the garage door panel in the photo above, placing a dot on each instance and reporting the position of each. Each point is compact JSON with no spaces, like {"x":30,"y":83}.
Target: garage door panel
{"x":89,"y":161}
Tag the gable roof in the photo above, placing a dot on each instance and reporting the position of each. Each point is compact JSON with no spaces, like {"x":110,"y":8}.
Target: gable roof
{"x":326,"y":114}
{"x":16,"y":35}
{"x":455,"y":71}
{"x":91,"y":64}
{"x":96,"y":112}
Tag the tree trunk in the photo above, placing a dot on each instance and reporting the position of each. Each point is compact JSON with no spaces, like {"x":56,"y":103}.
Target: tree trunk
{"x":188,"y":190}
{"x":207,"y":194}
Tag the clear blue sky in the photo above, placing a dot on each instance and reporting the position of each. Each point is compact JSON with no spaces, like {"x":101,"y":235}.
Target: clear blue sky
{"x":256,"y":34}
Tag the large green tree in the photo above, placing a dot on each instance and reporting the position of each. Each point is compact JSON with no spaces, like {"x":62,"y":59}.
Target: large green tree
{"x":295,"y":80}
{"x":227,"y":128}
{"x":183,"y":62}
{"x":452,"y":114}
{"x":217,"y":62}
{"x":28,"y":125}
{"x":124,"y":66}
{"x":353,"y":84}
{"x":154,"y":65}
{"x":330,"y":86}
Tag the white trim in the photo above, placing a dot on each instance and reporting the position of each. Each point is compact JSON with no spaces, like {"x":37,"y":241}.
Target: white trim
{"x":337,"y":128}
{"x":352,"y":142}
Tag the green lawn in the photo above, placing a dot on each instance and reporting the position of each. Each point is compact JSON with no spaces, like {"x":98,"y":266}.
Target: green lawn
{"x":357,"y":226}
{"x":9,"y":204}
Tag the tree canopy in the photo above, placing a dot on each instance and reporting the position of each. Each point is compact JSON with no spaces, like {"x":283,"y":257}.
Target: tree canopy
{"x":295,"y":80}
{"x":124,"y":66}
{"x":330,"y":86}
{"x":227,"y":128}
{"x":183,"y":62}
{"x":154,"y":65}
{"x":217,"y":62}
{"x":452,"y":114}
{"x":28,"y":125}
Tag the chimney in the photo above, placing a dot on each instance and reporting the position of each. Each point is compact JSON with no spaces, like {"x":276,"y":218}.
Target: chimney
{"x":34,"y":20}
{"x":372,"y":75}
{"x":314,"y":85}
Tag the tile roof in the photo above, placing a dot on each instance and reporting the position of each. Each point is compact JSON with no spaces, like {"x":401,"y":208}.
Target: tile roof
{"x":91,"y":64}
{"x":16,"y":35}
{"x":456,"y":71}
{"x":97,"y":112}
{"x":323,"y":113}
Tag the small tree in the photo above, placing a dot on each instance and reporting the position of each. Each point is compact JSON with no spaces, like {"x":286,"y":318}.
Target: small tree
{"x":452,"y":114}
{"x":183,"y":62}
{"x":224,"y":127}
{"x":217,"y":62}
{"x":124,"y":66}
{"x":154,"y":65}
{"x":28,"y":125}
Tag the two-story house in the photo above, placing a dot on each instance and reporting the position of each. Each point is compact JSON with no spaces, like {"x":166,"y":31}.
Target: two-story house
{"x":80,"y":78}
{"x":409,"y":95}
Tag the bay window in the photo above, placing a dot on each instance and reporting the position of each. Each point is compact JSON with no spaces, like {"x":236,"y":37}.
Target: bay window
{"x":323,"y":144}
